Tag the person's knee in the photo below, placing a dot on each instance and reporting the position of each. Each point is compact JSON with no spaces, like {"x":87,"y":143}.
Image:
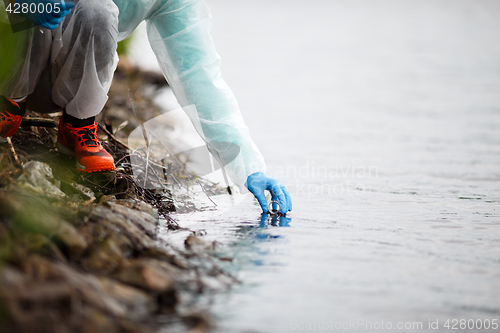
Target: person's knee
{"x":96,"y":21}
{"x":93,"y":16}
{"x":100,"y":14}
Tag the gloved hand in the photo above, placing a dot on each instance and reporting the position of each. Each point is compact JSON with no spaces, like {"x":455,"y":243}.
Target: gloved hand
{"x":258,"y":182}
{"x":50,"y":16}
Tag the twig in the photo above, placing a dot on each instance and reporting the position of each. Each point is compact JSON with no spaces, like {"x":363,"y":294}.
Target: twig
{"x":121,"y":126}
{"x":39,"y":122}
{"x":148,"y":143}
{"x":16,"y":158}
{"x":112,"y":136}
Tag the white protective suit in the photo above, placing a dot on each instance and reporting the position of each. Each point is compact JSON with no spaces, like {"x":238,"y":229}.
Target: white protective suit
{"x":77,"y":61}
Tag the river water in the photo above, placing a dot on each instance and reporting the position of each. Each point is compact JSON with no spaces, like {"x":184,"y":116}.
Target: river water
{"x":382,"y":117}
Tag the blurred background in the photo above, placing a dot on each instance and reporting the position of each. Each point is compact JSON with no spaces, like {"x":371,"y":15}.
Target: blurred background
{"x":382,"y":117}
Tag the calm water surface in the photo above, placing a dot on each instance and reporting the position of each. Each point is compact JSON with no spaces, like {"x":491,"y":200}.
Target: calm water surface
{"x":383,"y":120}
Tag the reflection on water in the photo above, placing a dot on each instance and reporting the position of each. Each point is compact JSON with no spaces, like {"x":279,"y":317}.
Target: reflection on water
{"x":274,"y":220}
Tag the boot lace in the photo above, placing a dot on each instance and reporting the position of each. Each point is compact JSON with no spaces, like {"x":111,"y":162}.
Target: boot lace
{"x":87,"y":135}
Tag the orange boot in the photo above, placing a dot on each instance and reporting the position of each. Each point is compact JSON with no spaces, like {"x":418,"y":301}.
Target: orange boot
{"x":11,"y":115}
{"x":82,"y":143}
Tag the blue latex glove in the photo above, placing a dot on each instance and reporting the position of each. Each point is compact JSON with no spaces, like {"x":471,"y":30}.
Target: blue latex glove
{"x":51,"y":16}
{"x":259,"y":182}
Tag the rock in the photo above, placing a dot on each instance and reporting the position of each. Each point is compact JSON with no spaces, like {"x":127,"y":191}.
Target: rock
{"x":64,"y":234}
{"x":11,"y":277}
{"x":148,"y":274}
{"x":97,"y":321}
{"x":197,"y":244}
{"x":106,"y":198}
{"x":139,"y":304}
{"x":105,"y":257}
{"x":40,"y":244}
{"x":199,"y":322}
{"x":138,"y":205}
{"x":106,"y":295}
{"x":38,"y":175}
{"x":192,"y":243}
{"x":130,"y":222}
{"x":78,"y":193}
{"x":74,"y":244}
{"x":166,"y":255}
{"x":137,"y":212}
{"x":65,"y":300}
{"x":36,"y":217}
